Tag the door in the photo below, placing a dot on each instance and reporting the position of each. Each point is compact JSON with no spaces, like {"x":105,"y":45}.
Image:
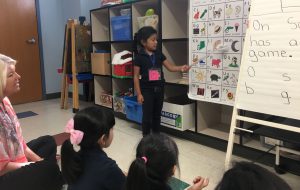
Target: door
{"x":19,"y":40}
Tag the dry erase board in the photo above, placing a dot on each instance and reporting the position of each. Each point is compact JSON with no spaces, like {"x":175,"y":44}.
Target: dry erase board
{"x":216,"y":30}
{"x":269,"y":80}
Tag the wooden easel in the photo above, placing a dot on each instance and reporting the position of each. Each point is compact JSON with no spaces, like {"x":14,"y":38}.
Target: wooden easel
{"x":233,"y":128}
{"x":69,"y":39}
{"x":261,"y":92}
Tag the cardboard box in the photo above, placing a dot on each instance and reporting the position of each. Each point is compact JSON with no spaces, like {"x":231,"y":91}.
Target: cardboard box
{"x":178,"y":113}
{"x":101,"y":63}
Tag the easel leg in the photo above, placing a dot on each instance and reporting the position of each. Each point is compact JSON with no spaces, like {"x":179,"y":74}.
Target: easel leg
{"x":229,"y":148}
{"x":64,"y":82}
{"x":74,"y":72}
{"x":277,"y":167}
{"x":277,"y":155}
{"x":231,"y":139}
{"x":91,"y":89}
{"x":66,"y":94}
{"x":63,"y":92}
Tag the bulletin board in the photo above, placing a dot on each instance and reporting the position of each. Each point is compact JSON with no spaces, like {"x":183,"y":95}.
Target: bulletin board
{"x":217,"y":29}
{"x":269,"y":79}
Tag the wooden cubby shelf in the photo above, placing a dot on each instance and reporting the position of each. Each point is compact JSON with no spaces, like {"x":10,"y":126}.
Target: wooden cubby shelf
{"x":100,"y":25}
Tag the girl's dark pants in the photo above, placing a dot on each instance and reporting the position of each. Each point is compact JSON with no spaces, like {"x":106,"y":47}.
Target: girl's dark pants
{"x":152,"y":106}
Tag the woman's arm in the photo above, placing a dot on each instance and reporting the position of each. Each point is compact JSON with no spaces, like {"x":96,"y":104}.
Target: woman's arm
{"x":137,"y":86}
{"x":171,"y":67}
{"x":31,"y":156}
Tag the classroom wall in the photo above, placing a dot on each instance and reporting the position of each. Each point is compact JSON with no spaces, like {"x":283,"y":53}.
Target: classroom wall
{"x":71,"y":9}
{"x":52,"y":36}
{"x":53,"y":17}
{"x":86,"y":6}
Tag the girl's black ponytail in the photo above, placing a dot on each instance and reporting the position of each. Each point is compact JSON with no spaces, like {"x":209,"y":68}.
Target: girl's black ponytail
{"x":71,"y":164}
{"x":137,"y":178}
{"x":135,"y":44}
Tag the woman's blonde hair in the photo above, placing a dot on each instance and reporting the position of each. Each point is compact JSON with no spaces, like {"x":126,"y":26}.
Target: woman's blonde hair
{"x":4,"y":62}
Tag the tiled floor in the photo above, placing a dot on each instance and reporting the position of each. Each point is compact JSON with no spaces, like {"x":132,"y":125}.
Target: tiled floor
{"x":194,"y":160}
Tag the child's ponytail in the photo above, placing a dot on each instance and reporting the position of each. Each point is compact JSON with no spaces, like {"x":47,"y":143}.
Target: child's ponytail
{"x":136,"y":43}
{"x":137,"y":178}
{"x":70,"y":162}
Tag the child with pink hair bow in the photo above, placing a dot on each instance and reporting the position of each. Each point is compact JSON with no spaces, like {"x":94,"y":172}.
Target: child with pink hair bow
{"x":75,"y":135}
{"x":90,"y":168}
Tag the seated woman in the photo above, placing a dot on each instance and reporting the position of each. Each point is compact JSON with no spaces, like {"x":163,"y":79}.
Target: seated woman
{"x":22,"y":166}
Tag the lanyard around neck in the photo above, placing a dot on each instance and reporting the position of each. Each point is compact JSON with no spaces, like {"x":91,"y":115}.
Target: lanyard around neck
{"x":152,"y":58}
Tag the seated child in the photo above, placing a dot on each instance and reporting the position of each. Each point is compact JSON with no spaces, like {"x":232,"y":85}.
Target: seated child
{"x":249,"y":176}
{"x":156,"y":161}
{"x":90,"y":168}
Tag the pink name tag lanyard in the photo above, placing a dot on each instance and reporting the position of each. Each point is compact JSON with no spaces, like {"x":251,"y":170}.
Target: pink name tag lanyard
{"x":154,"y":73}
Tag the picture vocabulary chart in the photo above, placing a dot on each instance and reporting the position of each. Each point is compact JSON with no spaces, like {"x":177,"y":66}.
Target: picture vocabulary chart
{"x":216,"y":30}
{"x":269,"y":79}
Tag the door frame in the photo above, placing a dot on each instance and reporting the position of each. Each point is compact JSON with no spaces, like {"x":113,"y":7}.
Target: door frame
{"x":39,"y":28}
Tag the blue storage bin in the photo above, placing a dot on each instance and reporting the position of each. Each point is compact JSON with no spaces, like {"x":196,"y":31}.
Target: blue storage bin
{"x":83,"y":76}
{"x":121,"y":28}
{"x":133,"y":109}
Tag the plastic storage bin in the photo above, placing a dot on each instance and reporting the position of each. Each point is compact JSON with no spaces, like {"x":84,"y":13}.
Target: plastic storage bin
{"x":121,"y":28}
{"x":134,"y":111}
{"x":178,"y":113}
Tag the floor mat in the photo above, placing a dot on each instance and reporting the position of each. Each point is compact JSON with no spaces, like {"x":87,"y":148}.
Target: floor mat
{"x":26,"y":114}
{"x":177,"y":184}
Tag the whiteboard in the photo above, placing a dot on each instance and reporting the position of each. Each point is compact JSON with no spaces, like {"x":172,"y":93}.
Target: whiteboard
{"x":269,"y":80}
{"x":216,"y":29}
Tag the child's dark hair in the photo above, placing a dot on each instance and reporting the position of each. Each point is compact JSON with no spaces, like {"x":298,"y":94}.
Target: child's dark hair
{"x":249,"y":176}
{"x":142,"y":35}
{"x":94,"y":122}
{"x":156,"y":156}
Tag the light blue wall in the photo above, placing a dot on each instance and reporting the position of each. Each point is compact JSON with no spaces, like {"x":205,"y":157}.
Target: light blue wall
{"x":53,"y":17}
{"x":87,"y":5}
{"x":71,"y":9}
{"x":52,"y":33}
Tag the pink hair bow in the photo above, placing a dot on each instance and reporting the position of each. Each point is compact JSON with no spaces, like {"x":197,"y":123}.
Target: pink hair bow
{"x":75,"y":135}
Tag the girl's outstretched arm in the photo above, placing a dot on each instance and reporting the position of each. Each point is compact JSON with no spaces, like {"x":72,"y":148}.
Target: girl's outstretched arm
{"x":173,"y":68}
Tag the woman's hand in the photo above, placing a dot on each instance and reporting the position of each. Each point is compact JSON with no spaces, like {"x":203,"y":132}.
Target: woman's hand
{"x":31,"y":156}
{"x":185,"y":68}
{"x":199,"y":183}
{"x":140,"y":99}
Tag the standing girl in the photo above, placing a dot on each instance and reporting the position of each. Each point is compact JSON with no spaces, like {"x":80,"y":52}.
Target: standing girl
{"x":148,"y":63}
{"x":156,"y":161}
{"x":90,"y":168}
